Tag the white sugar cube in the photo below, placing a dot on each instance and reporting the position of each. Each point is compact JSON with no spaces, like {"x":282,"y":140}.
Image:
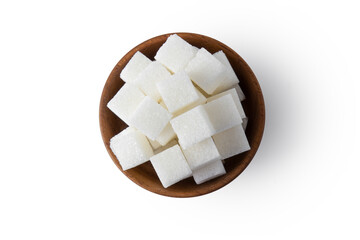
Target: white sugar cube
{"x":166,"y":135}
{"x":171,"y":166}
{"x":125,"y":101}
{"x":244,"y":123}
{"x":136,"y":65}
{"x":206,"y":71}
{"x":201,"y":100}
{"x":231,"y":142}
{"x":147,"y":79}
{"x":230,"y":78}
{"x":239,"y":92}
{"x":223,"y":113}
{"x":175,"y":53}
{"x":192,"y":126}
{"x":177,"y":92}
{"x":154,"y":144}
{"x":209,"y":171}
{"x":131,"y":148}
{"x":201,"y":154}
{"x":235,"y":97}
{"x":150,"y":118}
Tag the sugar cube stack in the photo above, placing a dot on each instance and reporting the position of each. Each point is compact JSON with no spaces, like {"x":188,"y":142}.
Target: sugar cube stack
{"x":184,"y":113}
{"x":131,"y":148}
{"x":171,"y":166}
{"x":150,"y":118}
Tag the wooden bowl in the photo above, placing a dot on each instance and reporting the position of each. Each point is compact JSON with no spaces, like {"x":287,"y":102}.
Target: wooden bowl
{"x":144,"y":175}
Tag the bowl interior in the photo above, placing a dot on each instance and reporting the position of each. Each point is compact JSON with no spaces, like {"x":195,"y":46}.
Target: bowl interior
{"x":144,"y":175}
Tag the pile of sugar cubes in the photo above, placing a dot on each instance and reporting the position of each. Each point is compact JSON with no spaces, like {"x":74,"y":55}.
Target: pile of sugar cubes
{"x":183,"y":110}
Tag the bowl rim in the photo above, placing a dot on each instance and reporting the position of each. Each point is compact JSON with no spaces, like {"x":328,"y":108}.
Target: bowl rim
{"x":254,"y":147}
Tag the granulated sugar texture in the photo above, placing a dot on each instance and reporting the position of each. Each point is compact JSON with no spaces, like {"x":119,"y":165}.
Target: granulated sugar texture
{"x":184,"y":113}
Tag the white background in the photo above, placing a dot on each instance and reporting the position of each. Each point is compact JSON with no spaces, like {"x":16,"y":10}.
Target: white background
{"x":58,"y":182}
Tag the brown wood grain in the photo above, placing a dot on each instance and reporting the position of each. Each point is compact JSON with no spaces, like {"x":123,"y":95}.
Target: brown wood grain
{"x":144,"y":175}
